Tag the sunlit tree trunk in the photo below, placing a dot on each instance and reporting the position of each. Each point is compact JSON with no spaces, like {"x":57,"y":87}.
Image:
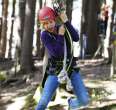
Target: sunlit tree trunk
{"x":26,"y":54}
{"x":21,"y":17}
{"x":4,"y":29}
{"x":0,"y":26}
{"x":107,"y":50}
{"x":0,"y":18}
{"x":113,"y":43}
{"x":18,"y":29}
{"x":10,"y":32}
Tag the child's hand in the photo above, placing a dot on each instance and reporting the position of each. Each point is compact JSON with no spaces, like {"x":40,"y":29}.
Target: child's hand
{"x":63,"y":17}
{"x":61,"y":30}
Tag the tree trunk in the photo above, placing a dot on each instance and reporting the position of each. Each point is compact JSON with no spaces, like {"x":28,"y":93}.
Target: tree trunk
{"x":0,"y":26}
{"x":92,"y":41}
{"x":113,"y":43}
{"x":26,"y":54}
{"x":0,"y":18}
{"x":83,"y":26}
{"x":4,"y":29}
{"x":38,"y":44}
{"x":20,"y":28}
{"x":22,"y":4}
{"x":69,"y":4}
{"x":89,"y":26}
{"x":12,"y":26}
{"x":108,"y":32}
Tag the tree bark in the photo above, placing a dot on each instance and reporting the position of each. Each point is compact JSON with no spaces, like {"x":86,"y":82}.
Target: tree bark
{"x":89,"y":25}
{"x":4,"y":29}
{"x":113,"y":43}
{"x":12,"y":26}
{"x":1,"y":2}
{"x":39,"y":44}
{"x":26,"y":54}
{"x":22,"y":4}
{"x":69,"y":4}
{"x":92,"y":42}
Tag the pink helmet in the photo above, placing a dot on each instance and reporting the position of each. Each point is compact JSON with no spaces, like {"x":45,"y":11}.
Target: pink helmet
{"x":46,"y":13}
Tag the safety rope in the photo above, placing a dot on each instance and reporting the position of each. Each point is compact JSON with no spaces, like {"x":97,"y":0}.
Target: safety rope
{"x":63,"y":75}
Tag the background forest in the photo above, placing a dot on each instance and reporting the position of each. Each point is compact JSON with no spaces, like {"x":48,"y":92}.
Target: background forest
{"x":22,"y":53}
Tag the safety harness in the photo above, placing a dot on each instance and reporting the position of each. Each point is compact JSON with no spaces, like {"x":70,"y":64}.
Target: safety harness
{"x":63,"y":73}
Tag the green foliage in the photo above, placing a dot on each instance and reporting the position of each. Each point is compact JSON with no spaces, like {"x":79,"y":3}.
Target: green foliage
{"x":98,"y":94}
{"x":30,"y":103}
{"x":2,"y":76}
{"x":56,"y":107}
{"x":111,"y":107}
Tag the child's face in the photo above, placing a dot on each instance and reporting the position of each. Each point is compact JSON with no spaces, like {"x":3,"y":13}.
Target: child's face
{"x":48,"y":25}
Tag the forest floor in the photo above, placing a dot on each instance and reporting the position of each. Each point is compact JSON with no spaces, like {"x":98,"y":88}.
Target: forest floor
{"x":96,"y":75}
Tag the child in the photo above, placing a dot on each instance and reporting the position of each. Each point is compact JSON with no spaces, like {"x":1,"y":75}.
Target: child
{"x":53,"y":37}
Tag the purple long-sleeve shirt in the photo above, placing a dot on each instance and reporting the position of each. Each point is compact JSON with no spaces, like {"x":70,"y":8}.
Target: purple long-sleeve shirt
{"x":55,"y":43}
